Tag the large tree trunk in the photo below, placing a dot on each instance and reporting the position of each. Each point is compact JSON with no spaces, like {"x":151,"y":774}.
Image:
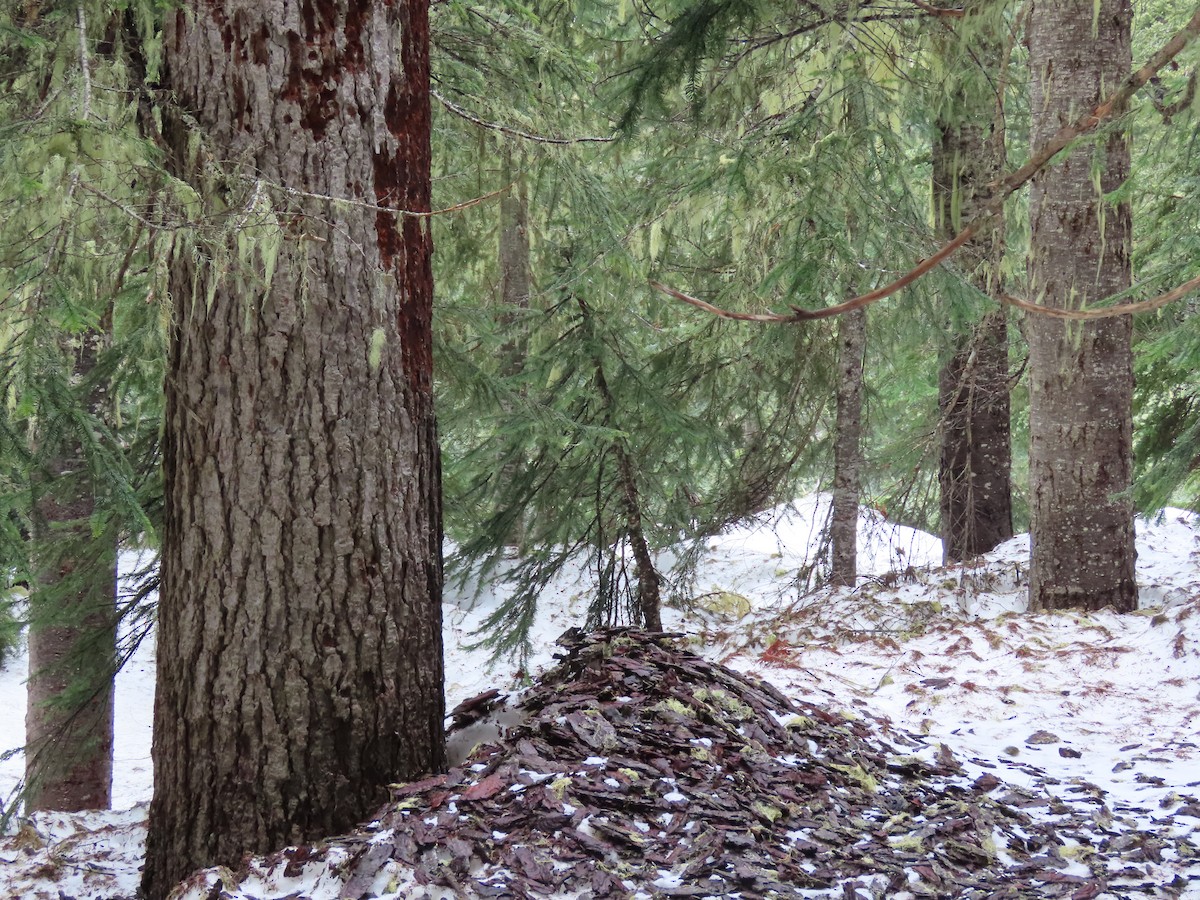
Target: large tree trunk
{"x":1080,"y":374}
{"x":299,"y":636}
{"x":975,"y":466}
{"x":72,"y":628}
{"x":847,"y":449}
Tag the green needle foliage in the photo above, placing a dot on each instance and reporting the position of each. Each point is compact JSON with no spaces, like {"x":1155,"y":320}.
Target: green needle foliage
{"x":1166,"y":185}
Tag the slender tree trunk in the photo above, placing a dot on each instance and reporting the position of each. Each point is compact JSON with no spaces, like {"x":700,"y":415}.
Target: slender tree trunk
{"x":649,"y":595}
{"x":1080,"y":374}
{"x":299,"y":637}
{"x":975,"y":467}
{"x":515,"y":274}
{"x":516,"y":281}
{"x":847,"y":449}
{"x":649,"y":581}
{"x":72,"y":629}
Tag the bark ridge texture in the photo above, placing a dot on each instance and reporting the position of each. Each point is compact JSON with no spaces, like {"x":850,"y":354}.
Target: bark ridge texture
{"x":847,"y":449}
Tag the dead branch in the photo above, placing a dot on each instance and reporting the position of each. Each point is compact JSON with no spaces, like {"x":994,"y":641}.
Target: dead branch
{"x":1108,"y":312}
{"x":513,"y":132}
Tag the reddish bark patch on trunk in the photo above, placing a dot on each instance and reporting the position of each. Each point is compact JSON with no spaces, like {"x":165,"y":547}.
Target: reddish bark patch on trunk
{"x":415,"y":323}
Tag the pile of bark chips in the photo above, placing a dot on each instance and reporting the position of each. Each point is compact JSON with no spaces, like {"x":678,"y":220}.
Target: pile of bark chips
{"x":642,"y":770}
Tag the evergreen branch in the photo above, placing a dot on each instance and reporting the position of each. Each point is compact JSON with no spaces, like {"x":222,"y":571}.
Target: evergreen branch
{"x":1005,"y":188}
{"x":1128,"y":309}
{"x":513,"y":132}
{"x":802,"y":315}
{"x":296,"y":192}
{"x":753,"y":46}
{"x":375,"y":207}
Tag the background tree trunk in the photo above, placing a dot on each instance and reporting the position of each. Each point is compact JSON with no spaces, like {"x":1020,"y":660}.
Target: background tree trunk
{"x":847,"y":449}
{"x":515,"y":275}
{"x":649,"y":582}
{"x":299,"y":637}
{"x":975,"y":466}
{"x":516,"y":280}
{"x":1080,"y":374}
{"x":72,"y":626}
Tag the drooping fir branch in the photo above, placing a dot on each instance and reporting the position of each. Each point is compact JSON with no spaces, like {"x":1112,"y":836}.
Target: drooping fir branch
{"x":79,"y":347}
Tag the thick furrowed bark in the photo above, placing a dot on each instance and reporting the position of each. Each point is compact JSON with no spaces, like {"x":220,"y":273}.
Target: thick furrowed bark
{"x":299,"y":640}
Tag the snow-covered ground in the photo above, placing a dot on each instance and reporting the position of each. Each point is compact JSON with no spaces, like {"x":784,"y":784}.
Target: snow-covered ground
{"x":949,"y":653}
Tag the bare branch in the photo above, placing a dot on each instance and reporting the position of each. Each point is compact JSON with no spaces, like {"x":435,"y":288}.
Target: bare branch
{"x":1109,"y":312}
{"x":406,"y":213}
{"x":513,"y":132}
{"x":258,"y":186}
{"x":938,"y":11}
{"x":717,"y":311}
{"x":802,"y":315}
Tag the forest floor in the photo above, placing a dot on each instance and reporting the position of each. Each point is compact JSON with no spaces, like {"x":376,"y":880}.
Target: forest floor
{"x":919,"y":736}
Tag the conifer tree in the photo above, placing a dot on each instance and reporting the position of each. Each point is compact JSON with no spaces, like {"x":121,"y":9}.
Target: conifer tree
{"x":640,"y":438}
{"x":975,"y":465}
{"x":837,"y":156}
